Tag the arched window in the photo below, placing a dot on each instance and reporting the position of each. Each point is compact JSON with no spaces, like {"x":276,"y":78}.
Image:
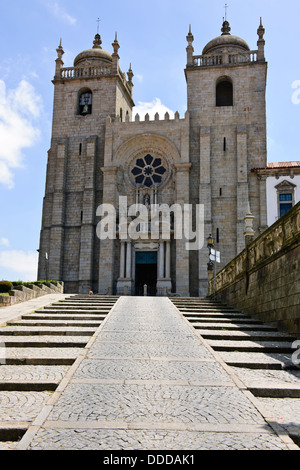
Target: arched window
{"x":85,"y":102}
{"x":224,"y":92}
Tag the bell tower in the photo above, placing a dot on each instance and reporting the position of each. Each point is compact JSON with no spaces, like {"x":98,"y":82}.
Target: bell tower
{"x":84,"y":95}
{"x":226,"y":87}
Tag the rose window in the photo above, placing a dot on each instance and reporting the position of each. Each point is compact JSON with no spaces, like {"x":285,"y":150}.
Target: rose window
{"x":148,"y":171}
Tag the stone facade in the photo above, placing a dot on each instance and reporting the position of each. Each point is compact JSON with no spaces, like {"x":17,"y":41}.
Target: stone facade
{"x":99,"y":152}
{"x":264,"y":279}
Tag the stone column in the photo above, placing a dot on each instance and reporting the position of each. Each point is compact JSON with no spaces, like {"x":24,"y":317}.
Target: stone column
{"x":128,"y":260}
{"x":122,"y":260}
{"x":168,"y":260}
{"x":161,"y":262}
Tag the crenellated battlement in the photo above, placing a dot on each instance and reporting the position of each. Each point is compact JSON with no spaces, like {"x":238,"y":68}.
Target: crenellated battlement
{"x":157,"y":118}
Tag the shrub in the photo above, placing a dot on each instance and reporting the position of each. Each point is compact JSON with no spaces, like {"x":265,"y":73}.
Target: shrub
{"x":5,"y":286}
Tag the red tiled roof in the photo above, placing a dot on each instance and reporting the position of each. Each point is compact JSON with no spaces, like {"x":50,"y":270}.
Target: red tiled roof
{"x":284,"y":165}
{"x":279,"y":165}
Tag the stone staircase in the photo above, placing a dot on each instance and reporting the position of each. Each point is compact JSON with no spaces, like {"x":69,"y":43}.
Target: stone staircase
{"x":259,"y":355}
{"x":36,"y":352}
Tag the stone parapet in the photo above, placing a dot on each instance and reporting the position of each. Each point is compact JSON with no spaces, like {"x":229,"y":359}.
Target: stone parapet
{"x":264,"y":279}
{"x":31,"y":291}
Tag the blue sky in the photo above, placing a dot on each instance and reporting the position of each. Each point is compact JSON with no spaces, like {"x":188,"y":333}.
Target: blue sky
{"x":152,"y":36}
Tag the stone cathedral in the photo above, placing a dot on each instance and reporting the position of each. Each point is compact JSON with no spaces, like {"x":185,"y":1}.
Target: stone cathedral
{"x":99,"y":151}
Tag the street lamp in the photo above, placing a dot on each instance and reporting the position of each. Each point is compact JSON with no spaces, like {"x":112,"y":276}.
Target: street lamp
{"x":210,"y":241}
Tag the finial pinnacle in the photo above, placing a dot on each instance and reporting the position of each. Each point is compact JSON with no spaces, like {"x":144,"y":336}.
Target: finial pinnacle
{"x":97,"y":42}
{"x":225,"y":28}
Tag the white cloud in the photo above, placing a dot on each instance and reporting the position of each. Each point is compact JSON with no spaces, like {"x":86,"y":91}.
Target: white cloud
{"x":152,"y":108}
{"x":4,"y":241}
{"x":18,"y":109}
{"x":22,"y":264}
{"x":60,"y":13}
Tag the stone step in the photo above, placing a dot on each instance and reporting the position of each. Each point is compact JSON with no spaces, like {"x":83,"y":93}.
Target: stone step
{"x":216,"y":315}
{"x":41,"y":356}
{"x":28,"y":386}
{"x":222,"y":319}
{"x":257,"y":360}
{"x":252,"y":346}
{"x":76,"y":307}
{"x":44,"y":341}
{"x":12,"y":431}
{"x":224,"y":335}
{"x":278,"y":391}
{"x":61,"y":316}
{"x":70,"y":312}
{"x":223,"y":324}
{"x":79,"y":323}
{"x":31,"y":331}
{"x":208,"y":309}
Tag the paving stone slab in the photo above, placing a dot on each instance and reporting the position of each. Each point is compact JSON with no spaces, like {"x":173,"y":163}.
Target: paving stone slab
{"x":32,"y":373}
{"x":154,"y":403}
{"x":146,"y":350}
{"x":21,"y":406}
{"x":128,"y":369}
{"x":80,"y":439}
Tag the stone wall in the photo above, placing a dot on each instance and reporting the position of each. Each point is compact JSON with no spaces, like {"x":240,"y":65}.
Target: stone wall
{"x":264,"y":279}
{"x":23,"y":293}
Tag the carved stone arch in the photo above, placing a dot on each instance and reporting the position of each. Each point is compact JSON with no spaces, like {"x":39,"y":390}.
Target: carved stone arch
{"x":150,"y":153}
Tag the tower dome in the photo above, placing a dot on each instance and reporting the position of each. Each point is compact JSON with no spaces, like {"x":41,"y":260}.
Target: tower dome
{"x":233,"y":43}
{"x":95,"y":55}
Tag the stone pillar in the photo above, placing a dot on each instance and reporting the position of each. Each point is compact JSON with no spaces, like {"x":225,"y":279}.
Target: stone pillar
{"x":161,"y":260}
{"x":261,"y":42}
{"x":242,"y":185}
{"x":182,"y":254}
{"x":125,"y":281}
{"x":164,"y":284}
{"x":205,"y":198}
{"x":263,"y":223}
{"x":55,"y":261}
{"x":88,"y":215}
{"x":107,"y":246}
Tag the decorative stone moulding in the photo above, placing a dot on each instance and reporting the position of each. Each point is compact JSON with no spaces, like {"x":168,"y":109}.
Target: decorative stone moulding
{"x":148,"y":169}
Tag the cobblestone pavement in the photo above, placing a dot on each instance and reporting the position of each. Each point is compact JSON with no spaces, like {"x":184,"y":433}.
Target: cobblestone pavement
{"x":148,"y":380}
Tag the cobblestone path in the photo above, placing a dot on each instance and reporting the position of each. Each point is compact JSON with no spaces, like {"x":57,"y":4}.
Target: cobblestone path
{"x":148,"y":380}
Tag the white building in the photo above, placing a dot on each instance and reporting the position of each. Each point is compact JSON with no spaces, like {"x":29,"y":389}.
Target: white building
{"x":283,"y":187}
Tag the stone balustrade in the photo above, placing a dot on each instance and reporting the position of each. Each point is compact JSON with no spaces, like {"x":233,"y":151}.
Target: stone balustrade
{"x":68,"y":73}
{"x":224,"y":59}
{"x":264,"y":279}
{"x":79,"y":73}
